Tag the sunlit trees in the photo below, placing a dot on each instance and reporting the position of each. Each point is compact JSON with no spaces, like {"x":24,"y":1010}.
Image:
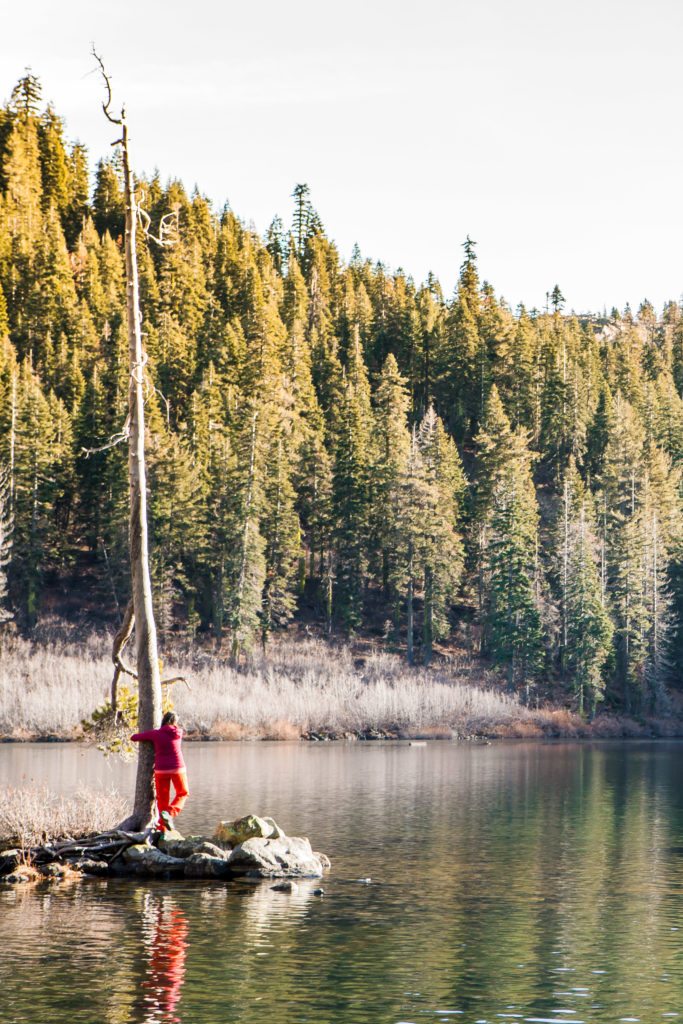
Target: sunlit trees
{"x":507,"y":539}
{"x":330,"y":442}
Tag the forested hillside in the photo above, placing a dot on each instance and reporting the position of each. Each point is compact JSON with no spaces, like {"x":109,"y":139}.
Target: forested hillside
{"x":331,"y":441}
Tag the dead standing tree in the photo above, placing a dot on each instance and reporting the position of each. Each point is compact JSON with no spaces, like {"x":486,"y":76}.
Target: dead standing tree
{"x":142,"y":612}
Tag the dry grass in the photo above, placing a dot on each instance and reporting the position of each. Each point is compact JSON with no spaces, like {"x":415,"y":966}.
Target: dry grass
{"x":298,"y":688}
{"x":307,"y":687}
{"x":48,"y":688}
{"x":32,"y":816}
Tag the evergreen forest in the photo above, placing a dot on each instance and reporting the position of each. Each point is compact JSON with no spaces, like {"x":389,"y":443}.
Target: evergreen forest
{"x":331,"y":444}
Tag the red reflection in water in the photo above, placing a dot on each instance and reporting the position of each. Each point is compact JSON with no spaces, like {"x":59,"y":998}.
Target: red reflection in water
{"x":166,"y":931}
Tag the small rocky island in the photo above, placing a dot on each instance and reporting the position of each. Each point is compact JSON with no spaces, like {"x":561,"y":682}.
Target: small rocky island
{"x":251,"y":847}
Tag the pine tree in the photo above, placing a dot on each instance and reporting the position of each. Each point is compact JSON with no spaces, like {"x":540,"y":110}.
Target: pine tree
{"x":108,"y":201}
{"x":351,"y":502}
{"x":6,"y":532}
{"x":41,"y":491}
{"x":411,"y":500}
{"x":520,"y":384}
{"x":78,"y":194}
{"x":586,"y":625}
{"x":440,"y":545}
{"x":54,"y":165}
{"x":507,"y":524}
{"x":282,"y":536}
{"x":26,"y":95}
{"x":598,"y":434}
{"x":175,"y":494}
{"x":391,"y":448}
{"x":621,"y":482}
{"x":464,"y":374}
{"x":302,"y":215}
{"x":432,"y":328}
{"x":245,"y":563}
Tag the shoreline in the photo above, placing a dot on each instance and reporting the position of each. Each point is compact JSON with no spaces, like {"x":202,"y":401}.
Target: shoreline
{"x":607,"y":727}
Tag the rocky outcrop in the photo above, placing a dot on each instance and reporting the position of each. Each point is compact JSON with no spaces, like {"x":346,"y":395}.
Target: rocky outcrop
{"x":286,"y":857}
{"x":251,"y":846}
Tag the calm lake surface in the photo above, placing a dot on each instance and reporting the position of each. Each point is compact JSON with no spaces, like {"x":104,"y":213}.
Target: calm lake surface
{"x":512,"y":882}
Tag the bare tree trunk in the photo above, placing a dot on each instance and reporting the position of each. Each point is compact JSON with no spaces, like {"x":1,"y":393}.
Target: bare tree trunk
{"x":235,"y":644}
{"x":410,"y":655}
{"x":12,"y":439}
{"x":149,"y":680}
{"x":148,"y":674}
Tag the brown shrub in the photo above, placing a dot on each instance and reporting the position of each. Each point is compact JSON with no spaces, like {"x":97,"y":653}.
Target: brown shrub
{"x":226,"y":730}
{"x":281,"y":729}
{"x":562,"y":723}
{"x":430,"y":732}
{"x":520,"y":730}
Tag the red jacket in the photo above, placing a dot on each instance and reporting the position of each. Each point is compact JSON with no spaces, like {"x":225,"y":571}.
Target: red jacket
{"x":168,"y":756}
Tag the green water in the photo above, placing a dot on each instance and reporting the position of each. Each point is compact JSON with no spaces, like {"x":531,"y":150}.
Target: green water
{"x":514,"y":882}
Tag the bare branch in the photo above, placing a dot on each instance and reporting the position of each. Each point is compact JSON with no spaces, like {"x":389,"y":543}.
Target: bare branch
{"x":139,"y":367}
{"x":166,"y":402}
{"x":107,"y":85}
{"x":120,"y":641}
{"x":125,"y":670}
{"x":113,"y":441}
{"x":176,"y":679}
{"x":168,"y":225}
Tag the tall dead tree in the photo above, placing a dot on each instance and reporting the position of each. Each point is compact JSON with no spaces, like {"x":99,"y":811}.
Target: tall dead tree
{"x":148,"y":675}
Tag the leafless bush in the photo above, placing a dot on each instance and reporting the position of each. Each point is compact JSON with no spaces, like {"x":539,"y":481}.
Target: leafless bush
{"x":48,"y":689}
{"x":295,"y":688}
{"x":316,"y":689}
{"x":30,"y":816}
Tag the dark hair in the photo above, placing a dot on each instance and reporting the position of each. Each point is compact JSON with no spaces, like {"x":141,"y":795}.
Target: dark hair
{"x":170,"y":718}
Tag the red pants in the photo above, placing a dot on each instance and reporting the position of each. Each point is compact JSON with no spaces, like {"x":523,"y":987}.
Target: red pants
{"x":162,"y":782}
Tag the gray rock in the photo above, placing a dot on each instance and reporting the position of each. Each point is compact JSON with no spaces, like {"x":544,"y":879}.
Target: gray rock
{"x":187,"y":847}
{"x":202,"y":865}
{"x":147,"y":860}
{"x":170,"y":834}
{"x":99,"y":868}
{"x":9,"y":860}
{"x":290,"y":857}
{"x":277,"y":832}
{"x":18,"y":878}
{"x":54,"y":871}
{"x":286,"y":886}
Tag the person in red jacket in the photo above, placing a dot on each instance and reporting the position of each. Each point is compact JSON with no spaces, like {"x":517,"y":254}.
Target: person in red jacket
{"x":169,"y":767}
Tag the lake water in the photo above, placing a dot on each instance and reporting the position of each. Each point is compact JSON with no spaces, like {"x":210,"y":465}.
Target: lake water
{"x":512,"y":882}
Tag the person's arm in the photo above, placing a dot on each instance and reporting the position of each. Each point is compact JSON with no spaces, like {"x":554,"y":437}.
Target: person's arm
{"x":149,"y":736}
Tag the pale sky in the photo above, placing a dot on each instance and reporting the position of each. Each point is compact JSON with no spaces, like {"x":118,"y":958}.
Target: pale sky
{"x":549,"y":132}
